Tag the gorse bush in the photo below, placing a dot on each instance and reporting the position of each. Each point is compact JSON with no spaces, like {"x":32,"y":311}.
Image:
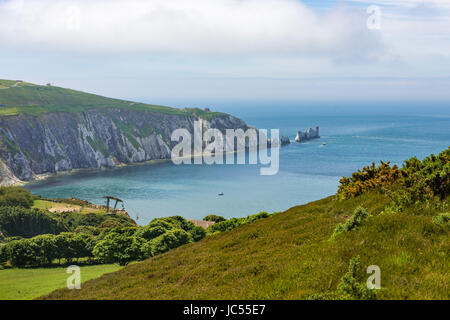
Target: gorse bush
{"x":15,"y":197}
{"x":350,"y":288}
{"x":416,"y":181}
{"x":359,"y":216}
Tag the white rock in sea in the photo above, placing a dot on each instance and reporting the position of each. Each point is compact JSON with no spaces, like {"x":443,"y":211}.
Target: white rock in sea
{"x":307,"y":135}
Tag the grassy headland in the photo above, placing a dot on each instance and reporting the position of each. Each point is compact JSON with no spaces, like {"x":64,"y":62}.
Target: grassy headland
{"x":27,"y":98}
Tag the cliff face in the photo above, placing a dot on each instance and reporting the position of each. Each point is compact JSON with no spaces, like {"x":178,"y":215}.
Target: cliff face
{"x":31,"y":145}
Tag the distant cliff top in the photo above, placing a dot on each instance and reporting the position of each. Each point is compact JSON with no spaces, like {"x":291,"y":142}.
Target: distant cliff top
{"x":18,"y":97}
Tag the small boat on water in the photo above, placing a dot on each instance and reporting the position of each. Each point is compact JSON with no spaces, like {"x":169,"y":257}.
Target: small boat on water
{"x":324,"y":144}
{"x":221,"y":194}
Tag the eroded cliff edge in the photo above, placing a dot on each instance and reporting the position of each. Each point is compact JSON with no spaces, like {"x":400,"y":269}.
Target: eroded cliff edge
{"x":32,"y":145}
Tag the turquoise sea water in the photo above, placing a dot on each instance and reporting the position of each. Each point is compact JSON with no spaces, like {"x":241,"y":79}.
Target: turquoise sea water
{"x":355,"y":135}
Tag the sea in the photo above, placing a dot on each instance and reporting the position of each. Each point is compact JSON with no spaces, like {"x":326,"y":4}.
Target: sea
{"x":353,"y":135}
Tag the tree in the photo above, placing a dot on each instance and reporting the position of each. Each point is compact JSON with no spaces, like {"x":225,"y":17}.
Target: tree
{"x":170,"y":240}
{"x":47,"y":248}
{"x":214,"y":218}
{"x":16,"y":197}
{"x":119,"y":248}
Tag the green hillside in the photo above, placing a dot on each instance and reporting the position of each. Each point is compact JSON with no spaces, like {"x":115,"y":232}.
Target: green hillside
{"x":394,"y":218}
{"x":26,"y":98}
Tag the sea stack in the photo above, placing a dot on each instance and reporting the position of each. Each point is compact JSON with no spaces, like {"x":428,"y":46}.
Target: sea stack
{"x":284,"y":141}
{"x":307,"y":135}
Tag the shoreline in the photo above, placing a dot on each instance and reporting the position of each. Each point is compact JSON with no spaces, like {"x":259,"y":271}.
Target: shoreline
{"x":46,"y":176}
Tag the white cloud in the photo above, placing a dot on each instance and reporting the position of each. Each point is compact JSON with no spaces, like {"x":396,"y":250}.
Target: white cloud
{"x":219,"y":27}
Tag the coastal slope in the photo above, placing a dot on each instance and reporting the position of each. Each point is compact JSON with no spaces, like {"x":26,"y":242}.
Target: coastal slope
{"x":45,"y":129}
{"x":290,"y":256}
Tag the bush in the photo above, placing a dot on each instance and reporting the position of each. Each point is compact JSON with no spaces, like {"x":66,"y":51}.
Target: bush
{"x":47,"y":248}
{"x":110,"y":223}
{"x":149,"y":232}
{"x":16,"y":197}
{"x":442,"y":220}
{"x":350,"y":288}
{"x":359,"y":216}
{"x":174,"y":222}
{"x":170,"y":240}
{"x":119,"y":248}
{"x":72,"y":246}
{"x":72,"y":220}
{"x":197,"y":233}
{"x":23,"y":253}
{"x":214,"y":218}
{"x":89,"y":230}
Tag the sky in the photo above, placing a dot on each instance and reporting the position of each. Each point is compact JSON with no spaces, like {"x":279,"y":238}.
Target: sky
{"x":188,"y":52}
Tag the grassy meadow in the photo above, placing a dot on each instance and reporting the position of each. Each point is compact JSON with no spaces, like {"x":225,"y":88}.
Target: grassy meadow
{"x":26,"y":284}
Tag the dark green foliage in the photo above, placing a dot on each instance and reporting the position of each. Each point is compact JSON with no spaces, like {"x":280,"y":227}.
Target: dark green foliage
{"x":23,"y":253}
{"x":16,"y":197}
{"x":18,"y":221}
{"x":89,"y":230}
{"x":72,"y":220}
{"x":215,"y":218}
{"x":3,"y":254}
{"x":172,"y":222}
{"x":359,"y":216}
{"x":72,"y":246}
{"x":170,"y":240}
{"x":48,"y":249}
{"x":197,"y":233}
{"x":119,"y":248}
{"x":43,"y":249}
{"x":111,"y":223}
{"x":150,"y":232}
{"x":232,"y":223}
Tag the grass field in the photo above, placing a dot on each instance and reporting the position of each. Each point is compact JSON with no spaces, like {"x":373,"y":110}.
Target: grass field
{"x":60,"y":207}
{"x":26,"y":284}
{"x":291,"y":256}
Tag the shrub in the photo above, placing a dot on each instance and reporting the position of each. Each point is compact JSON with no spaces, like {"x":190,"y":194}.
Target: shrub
{"x":149,"y":232}
{"x":16,"y":197}
{"x":47,"y":248}
{"x":110,"y":223}
{"x":213,"y":217}
{"x":119,"y":248}
{"x":170,"y":240}
{"x":350,"y":288}
{"x":174,"y":222}
{"x":442,"y":220}
{"x":23,"y":253}
{"x":197,"y":233}
{"x":359,"y":216}
{"x":89,"y":230}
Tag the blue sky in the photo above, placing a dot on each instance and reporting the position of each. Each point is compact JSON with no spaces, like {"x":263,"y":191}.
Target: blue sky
{"x":191,"y":51}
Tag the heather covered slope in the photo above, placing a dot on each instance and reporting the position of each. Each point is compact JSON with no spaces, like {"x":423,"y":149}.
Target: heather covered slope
{"x":290,"y":256}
